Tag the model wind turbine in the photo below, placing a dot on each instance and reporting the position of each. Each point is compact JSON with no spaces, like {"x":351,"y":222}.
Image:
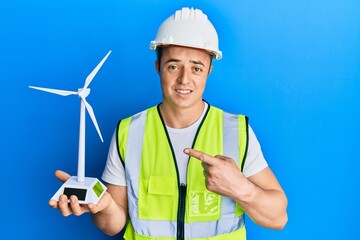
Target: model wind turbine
{"x":88,"y":190}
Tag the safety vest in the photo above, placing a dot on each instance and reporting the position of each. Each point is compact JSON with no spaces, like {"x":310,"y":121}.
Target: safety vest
{"x":159,"y":206}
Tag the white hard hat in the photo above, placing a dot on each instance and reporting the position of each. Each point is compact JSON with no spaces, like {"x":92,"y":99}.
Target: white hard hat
{"x":190,"y":28}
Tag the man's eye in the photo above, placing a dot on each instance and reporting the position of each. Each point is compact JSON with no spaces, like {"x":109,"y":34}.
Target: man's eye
{"x":197,"y":69}
{"x":172,"y":67}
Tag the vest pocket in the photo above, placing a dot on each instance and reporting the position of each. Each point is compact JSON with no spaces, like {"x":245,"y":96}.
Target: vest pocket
{"x":158,"y":198}
{"x":161,"y":186}
{"x":204,"y":205}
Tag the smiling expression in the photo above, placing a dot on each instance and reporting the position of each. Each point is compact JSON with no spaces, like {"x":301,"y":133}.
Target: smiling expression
{"x":183,"y":73}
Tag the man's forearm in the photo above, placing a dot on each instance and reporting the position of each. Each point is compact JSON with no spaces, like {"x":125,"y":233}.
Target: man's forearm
{"x":266,"y":207}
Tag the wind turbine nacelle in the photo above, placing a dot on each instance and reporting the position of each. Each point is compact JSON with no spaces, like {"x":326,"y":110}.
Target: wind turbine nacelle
{"x":83,"y":92}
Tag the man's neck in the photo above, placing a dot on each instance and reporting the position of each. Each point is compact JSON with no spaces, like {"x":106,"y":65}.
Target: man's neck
{"x":181,"y":117}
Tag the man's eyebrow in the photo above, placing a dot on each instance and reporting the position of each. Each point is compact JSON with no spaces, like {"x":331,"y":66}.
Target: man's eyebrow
{"x":172,"y":60}
{"x":178,"y":60}
{"x":197,"y":62}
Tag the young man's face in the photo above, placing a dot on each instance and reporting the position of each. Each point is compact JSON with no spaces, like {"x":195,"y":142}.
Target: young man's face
{"x":183,"y":73}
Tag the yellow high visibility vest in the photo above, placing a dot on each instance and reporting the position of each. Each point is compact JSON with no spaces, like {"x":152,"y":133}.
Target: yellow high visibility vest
{"x":159,"y":206}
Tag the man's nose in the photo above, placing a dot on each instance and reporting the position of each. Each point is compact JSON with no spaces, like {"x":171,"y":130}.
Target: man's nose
{"x":184,"y":76}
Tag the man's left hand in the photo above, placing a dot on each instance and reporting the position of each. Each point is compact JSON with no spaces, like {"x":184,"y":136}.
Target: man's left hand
{"x":222,"y":175}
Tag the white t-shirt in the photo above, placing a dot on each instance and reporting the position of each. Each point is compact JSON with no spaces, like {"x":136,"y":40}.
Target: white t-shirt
{"x":182,"y":138}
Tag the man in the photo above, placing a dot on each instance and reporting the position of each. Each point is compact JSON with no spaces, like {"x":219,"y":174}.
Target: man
{"x":184,"y":169}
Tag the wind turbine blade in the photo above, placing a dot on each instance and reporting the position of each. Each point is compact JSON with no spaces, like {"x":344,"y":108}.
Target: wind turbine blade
{"x":96,"y":69}
{"x":55,"y":91}
{"x":92,"y":116}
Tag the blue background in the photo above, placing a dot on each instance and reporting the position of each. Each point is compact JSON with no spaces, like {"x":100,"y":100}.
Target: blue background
{"x":292,"y":66}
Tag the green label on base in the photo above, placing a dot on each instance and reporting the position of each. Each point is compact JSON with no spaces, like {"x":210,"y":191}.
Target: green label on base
{"x":98,"y":189}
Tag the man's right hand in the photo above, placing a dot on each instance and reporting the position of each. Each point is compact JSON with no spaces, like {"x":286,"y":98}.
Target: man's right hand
{"x":74,"y":207}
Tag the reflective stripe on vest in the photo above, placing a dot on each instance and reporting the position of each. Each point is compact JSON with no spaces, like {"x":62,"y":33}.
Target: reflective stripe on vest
{"x":152,"y":180}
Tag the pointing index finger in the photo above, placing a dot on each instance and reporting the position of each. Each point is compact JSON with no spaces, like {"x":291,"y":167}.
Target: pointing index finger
{"x":201,"y":156}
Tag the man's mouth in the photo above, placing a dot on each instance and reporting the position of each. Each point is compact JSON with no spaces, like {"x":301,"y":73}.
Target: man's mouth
{"x":183,"y":91}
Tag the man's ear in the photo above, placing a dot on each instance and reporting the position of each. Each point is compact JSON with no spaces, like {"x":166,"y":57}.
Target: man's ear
{"x":210,"y":70}
{"x":157,"y":66}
